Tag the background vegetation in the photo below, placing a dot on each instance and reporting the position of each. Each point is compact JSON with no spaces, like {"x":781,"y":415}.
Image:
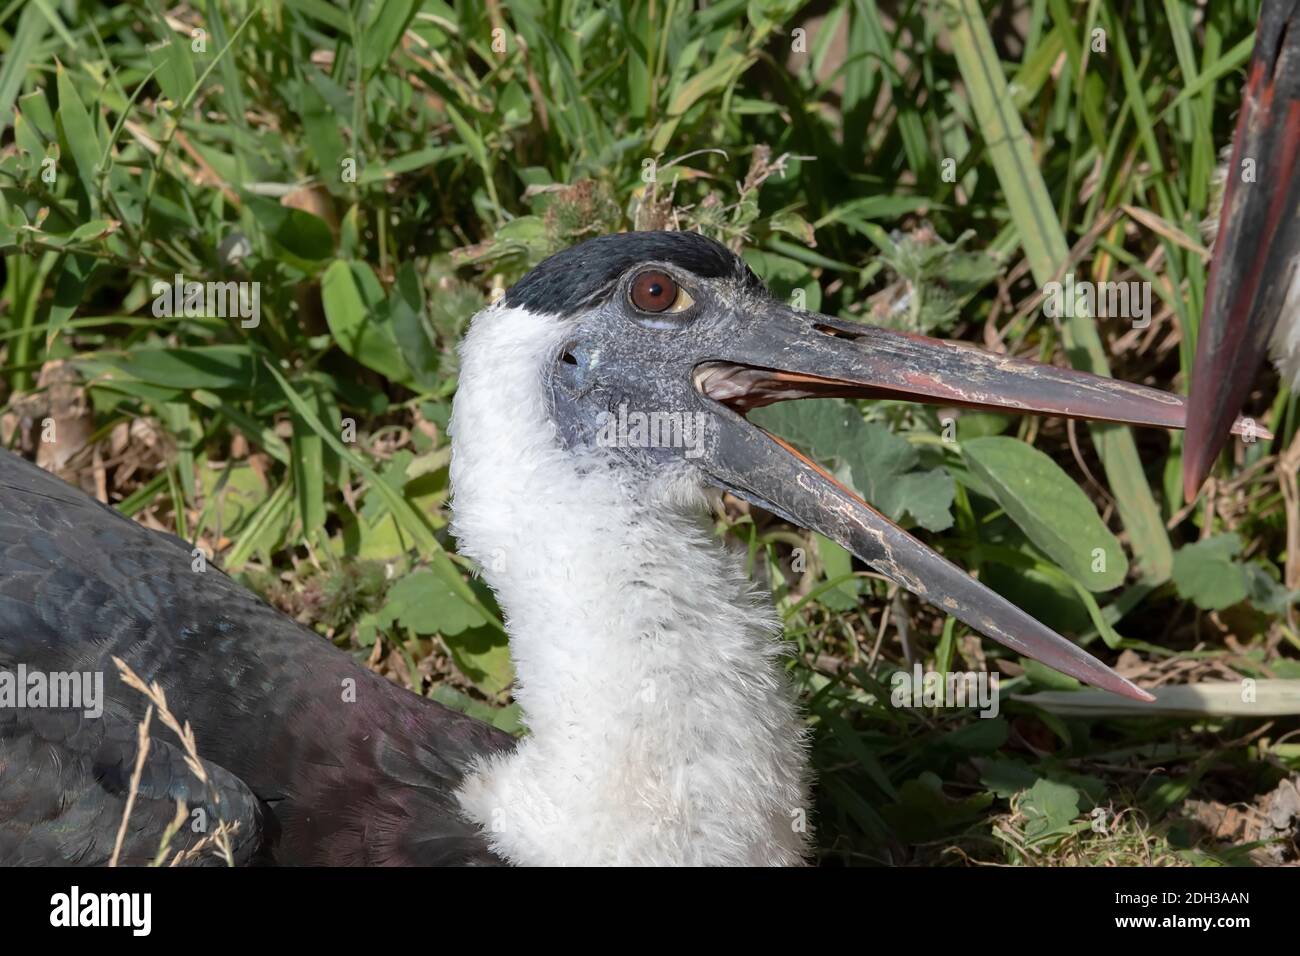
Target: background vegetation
{"x":383,"y":168}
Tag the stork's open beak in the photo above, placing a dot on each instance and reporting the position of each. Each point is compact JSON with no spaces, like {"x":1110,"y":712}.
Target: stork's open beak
{"x":1257,"y":246}
{"x":786,"y":354}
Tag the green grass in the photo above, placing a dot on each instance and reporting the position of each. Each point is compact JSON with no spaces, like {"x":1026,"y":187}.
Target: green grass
{"x":382,"y":169}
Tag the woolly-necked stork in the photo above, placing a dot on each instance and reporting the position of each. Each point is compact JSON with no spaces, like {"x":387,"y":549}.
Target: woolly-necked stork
{"x":660,"y":727}
{"x":1252,"y":304}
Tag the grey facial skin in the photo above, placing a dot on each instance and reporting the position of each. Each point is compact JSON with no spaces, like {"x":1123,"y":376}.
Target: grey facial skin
{"x":735,"y":348}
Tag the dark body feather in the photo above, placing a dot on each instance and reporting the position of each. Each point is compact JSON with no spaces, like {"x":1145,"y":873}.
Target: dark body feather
{"x":310,"y":777}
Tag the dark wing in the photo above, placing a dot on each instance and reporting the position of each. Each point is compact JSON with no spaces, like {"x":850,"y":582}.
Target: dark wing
{"x":351,"y":768}
{"x":64,"y":783}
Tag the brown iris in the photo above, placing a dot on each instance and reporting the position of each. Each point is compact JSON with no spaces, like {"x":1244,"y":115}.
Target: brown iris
{"x":653,"y":291}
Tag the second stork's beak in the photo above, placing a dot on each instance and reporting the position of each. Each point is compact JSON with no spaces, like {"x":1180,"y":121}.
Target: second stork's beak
{"x":1255,"y":253}
{"x":787,"y":355}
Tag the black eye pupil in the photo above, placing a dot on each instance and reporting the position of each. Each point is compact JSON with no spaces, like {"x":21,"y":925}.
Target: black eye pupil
{"x":656,"y":290}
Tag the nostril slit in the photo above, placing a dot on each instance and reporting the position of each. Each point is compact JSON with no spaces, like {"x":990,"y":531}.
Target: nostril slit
{"x":836,"y":333}
{"x":568,"y":359}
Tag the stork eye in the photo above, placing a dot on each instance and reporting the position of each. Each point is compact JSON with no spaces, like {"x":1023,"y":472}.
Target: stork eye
{"x":657,"y":292}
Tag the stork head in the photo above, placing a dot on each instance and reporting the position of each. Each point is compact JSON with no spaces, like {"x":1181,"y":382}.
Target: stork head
{"x":663,"y":341}
{"x":1254,"y":282}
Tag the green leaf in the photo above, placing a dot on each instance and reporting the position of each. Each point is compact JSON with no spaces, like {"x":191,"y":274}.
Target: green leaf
{"x":483,"y":655}
{"x":36,"y":110}
{"x":409,"y":162}
{"x":308,"y":470}
{"x":1050,"y":808}
{"x":77,"y":137}
{"x":795,"y":225}
{"x":1160,"y":793}
{"x":213,"y":367}
{"x":424,"y":603}
{"x":19,"y":56}
{"x":838,"y":565}
{"x":264,"y":531}
{"x":31,"y":143}
{"x":783,"y":276}
{"x":405,"y":309}
{"x":717,"y":75}
{"x":1005,"y":777}
{"x":321,"y":126}
{"x":503,"y":718}
{"x":325,"y":12}
{"x":306,"y":236}
{"x":468,"y":135}
{"x":1051,"y":510}
{"x":971,"y":425}
{"x":357,"y":328}
{"x":175,"y":68}
{"x":770,"y":14}
{"x":388,"y":21}
{"x":925,"y":812}
{"x":979,"y":736}
{"x":69,"y":292}
{"x":880,"y":464}
{"x":1049,"y":677}
{"x":886,"y":207}
{"x":233,"y":494}
{"x":1266,"y":592}
{"x":1205,"y":573}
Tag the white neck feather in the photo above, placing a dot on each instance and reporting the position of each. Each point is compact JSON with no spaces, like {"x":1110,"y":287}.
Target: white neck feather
{"x":661,"y":727}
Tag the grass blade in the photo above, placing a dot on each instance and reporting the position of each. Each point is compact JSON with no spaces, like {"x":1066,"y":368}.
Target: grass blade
{"x":1046,"y":250}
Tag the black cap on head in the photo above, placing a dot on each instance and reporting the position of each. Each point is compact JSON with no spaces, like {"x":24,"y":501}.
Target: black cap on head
{"x":581,"y":274}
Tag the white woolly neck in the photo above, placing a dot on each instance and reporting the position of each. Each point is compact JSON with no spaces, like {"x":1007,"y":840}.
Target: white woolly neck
{"x":661,"y":727}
